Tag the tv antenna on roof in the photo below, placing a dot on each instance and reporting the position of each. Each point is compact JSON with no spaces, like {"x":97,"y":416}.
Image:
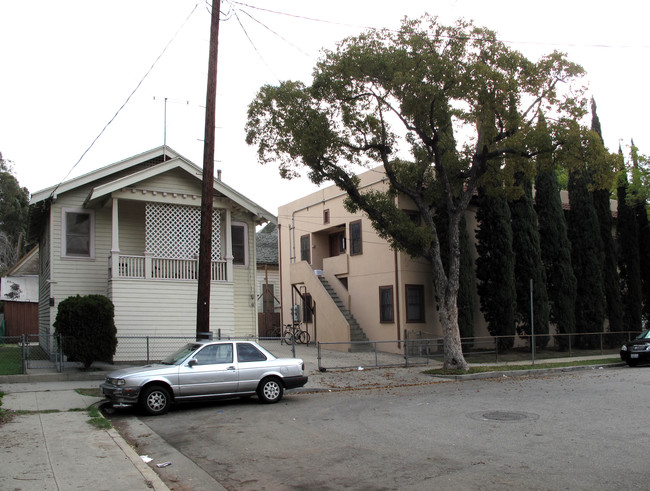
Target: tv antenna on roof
{"x":173,"y":101}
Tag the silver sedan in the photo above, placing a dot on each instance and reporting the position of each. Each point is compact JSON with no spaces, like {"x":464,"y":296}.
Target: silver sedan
{"x":203,"y":370}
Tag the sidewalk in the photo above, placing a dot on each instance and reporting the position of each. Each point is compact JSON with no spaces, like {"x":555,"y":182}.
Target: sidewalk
{"x":51,"y":446}
{"x":54,"y":448}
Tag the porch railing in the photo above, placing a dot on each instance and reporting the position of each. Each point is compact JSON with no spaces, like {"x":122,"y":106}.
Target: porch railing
{"x":146,"y":267}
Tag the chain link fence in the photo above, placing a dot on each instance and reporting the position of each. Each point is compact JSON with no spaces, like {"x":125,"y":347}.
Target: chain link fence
{"x":21,"y":353}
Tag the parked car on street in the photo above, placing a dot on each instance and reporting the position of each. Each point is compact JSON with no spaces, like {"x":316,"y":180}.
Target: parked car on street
{"x":638,"y":350}
{"x":203,"y":370}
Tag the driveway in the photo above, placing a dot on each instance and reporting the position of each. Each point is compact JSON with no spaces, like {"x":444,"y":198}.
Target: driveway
{"x":578,"y":430}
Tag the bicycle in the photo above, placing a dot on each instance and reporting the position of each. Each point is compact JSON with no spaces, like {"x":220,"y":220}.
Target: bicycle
{"x":294,"y":332}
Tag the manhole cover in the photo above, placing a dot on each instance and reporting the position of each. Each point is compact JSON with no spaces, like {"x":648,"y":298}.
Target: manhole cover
{"x":503,"y":416}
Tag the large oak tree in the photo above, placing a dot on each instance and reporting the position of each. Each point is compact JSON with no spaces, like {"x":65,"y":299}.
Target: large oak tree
{"x":438,"y":106}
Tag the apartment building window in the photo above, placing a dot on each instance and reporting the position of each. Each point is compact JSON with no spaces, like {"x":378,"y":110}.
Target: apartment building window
{"x":326,"y":216}
{"x":386,"y":308}
{"x":304,"y":249}
{"x":239,"y":232}
{"x":414,"y":303}
{"x":356,"y":246}
{"x":78,"y":234}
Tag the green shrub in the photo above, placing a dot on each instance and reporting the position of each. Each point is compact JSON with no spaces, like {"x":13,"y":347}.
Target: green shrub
{"x":88,"y":329}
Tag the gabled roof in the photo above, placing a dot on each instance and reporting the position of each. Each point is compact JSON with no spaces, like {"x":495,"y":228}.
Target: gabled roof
{"x":267,"y":245}
{"x":163,"y":159}
{"x":26,"y":266}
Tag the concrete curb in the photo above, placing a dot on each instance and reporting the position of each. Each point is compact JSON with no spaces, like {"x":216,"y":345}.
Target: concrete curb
{"x":148,"y":474}
{"x":533,"y":372}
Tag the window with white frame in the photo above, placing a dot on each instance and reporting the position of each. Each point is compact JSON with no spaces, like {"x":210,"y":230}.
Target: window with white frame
{"x":239,"y":234}
{"x":77,"y":233}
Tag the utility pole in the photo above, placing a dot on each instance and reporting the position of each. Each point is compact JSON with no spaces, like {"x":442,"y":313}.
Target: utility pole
{"x":207,"y":193}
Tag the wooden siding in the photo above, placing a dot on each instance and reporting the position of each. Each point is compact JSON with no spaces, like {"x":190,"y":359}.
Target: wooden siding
{"x":44,"y":309}
{"x":244,"y":279}
{"x":175,"y":181}
{"x":21,"y":318}
{"x":162,"y":308}
{"x":132,"y":227}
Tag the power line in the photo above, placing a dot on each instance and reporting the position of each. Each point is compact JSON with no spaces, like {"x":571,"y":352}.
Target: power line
{"x":127,"y":99}
{"x":532,"y":43}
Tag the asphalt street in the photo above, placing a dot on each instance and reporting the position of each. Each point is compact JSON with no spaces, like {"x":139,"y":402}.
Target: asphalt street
{"x":579,"y":430}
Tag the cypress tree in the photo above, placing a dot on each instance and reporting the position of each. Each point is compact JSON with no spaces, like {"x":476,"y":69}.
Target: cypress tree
{"x":643,"y":228}
{"x":586,"y":257}
{"x":528,"y":264}
{"x":601,"y":169}
{"x":555,"y":247}
{"x":628,"y":240}
{"x":495,"y":267}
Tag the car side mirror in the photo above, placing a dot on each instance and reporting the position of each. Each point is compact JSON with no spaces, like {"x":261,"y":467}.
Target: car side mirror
{"x":192,"y":362}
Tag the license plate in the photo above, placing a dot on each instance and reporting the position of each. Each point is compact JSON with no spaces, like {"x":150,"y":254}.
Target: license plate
{"x":633,"y":355}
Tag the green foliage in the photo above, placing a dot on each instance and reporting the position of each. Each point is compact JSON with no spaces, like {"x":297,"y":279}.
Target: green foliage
{"x":601,"y":197}
{"x":495,"y":266}
{"x":528,"y":264}
{"x":586,"y":255}
{"x":555,"y":248}
{"x":87,"y":327}
{"x":14,"y":206}
{"x":453,"y":97}
{"x":629,"y":270}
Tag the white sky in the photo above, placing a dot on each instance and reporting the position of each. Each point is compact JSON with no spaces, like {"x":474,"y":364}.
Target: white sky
{"x":67,"y":67}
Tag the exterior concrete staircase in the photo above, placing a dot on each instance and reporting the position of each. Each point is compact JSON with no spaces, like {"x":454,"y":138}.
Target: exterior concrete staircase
{"x":360,"y":341}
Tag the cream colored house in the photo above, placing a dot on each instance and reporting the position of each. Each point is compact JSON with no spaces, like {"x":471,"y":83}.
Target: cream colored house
{"x":359,"y":289}
{"x":130,"y":231}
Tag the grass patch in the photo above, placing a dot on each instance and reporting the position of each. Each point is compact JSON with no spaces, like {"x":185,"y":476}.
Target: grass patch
{"x":506,"y":368}
{"x":89,"y":392}
{"x":11,"y":360}
{"x":97,"y":420}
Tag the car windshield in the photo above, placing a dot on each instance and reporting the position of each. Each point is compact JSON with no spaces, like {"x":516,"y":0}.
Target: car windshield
{"x":645,"y":334}
{"x":180,"y":355}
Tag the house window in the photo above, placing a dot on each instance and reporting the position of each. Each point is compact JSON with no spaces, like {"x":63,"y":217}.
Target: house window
{"x":355,"y":238}
{"x":386,"y":304}
{"x":326,"y":216}
{"x":414,"y":303}
{"x":78,"y":234}
{"x":239,"y":234}
{"x":304,"y":249}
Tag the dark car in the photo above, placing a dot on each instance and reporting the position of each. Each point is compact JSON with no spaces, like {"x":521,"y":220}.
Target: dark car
{"x":203,"y":370}
{"x":638,"y":350}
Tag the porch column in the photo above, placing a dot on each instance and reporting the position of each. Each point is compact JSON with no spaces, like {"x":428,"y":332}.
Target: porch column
{"x":115,"y":239}
{"x":229,"y":256}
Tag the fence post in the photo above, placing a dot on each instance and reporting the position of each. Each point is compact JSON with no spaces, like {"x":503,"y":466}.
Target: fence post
{"x":320,"y":366}
{"x":147,"y":350}
{"x":23,"y":353}
{"x":59,"y":353}
{"x":406,"y":349}
{"x":601,"y":343}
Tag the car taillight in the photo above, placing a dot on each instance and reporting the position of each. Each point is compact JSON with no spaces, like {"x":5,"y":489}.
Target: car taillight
{"x":303,"y":366}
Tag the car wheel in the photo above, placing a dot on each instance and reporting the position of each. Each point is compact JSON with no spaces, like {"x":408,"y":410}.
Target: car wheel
{"x":155,"y":400}
{"x":270,"y":390}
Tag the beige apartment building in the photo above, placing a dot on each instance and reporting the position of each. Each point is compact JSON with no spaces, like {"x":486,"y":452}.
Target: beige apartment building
{"x":344,"y":283}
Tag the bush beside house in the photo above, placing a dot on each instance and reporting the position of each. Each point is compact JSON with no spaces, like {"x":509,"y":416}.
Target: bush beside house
{"x":86,"y":324}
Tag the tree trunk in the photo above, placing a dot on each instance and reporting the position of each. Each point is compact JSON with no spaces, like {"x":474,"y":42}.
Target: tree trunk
{"x":454,"y":359}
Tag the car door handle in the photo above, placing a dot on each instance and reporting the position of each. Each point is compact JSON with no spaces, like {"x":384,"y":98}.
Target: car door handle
{"x":230,"y":368}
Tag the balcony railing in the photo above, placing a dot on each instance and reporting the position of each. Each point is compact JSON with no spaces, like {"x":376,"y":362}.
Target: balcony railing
{"x":147,"y":267}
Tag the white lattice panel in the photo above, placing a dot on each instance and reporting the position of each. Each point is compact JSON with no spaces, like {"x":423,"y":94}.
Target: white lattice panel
{"x":172,"y":231}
